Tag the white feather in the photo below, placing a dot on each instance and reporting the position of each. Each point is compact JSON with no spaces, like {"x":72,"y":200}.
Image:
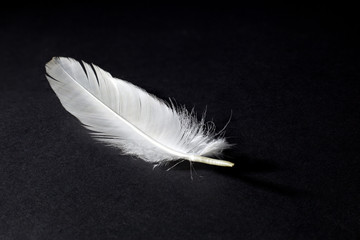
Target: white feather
{"x":125,"y":116}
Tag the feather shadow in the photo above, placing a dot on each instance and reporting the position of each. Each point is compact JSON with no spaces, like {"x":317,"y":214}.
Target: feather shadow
{"x":248,"y":170}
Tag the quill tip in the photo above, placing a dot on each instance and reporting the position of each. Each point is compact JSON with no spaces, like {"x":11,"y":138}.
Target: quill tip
{"x":211,"y":161}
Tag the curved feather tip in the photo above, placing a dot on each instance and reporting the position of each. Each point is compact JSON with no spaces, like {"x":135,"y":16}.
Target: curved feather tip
{"x":125,"y":116}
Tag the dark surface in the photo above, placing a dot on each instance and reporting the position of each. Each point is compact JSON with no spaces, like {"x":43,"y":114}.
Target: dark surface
{"x":289,"y":75}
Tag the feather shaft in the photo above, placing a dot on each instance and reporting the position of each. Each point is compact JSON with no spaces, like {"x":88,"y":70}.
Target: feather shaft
{"x":212,"y":161}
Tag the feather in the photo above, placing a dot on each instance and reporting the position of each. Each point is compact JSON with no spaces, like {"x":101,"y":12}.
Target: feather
{"x":125,"y":116}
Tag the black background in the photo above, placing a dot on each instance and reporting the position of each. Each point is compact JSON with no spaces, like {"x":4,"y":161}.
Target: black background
{"x":288,"y":73}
